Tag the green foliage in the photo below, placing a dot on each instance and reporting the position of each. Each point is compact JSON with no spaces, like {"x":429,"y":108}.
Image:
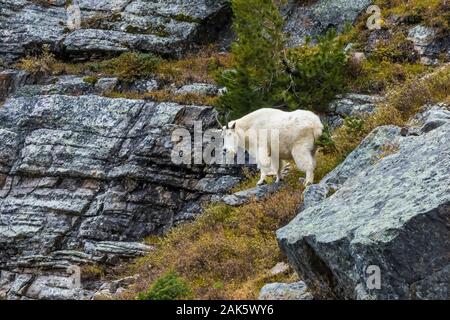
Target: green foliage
{"x":353,"y":124}
{"x":325,"y":141}
{"x":257,"y":71}
{"x":185,"y":18}
{"x":129,"y":66}
{"x":375,"y":76}
{"x":44,"y":63}
{"x":433,"y":13}
{"x":396,"y":49}
{"x":90,"y":79}
{"x":307,"y":77}
{"x":317,"y":73}
{"x":168,"y":287}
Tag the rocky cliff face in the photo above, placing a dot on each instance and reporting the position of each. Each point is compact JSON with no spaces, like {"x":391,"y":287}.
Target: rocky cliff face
{"x":316,"y":17}
{"x":82,"y":177}
{"x":386,"y":206}
{"x":109,"y":27}
{"x":162,"y":27}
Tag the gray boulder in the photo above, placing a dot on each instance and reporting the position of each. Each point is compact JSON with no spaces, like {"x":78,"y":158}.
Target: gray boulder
{"x":140,"y":86}
{"x":389,"y":212}
{"x":245,"y":196}
{"x":199,"y":88}
{"x":285,"y":291}
{"x":350,"y":105}
{"x":303,"y":20}
{"x":68,"y":85}
{"x":12,"y":80}
{"x":429,"y":44}
{"x":110,"y":290}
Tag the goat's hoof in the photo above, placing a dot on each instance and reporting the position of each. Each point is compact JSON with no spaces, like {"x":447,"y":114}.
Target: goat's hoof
{"x":304,"y":182}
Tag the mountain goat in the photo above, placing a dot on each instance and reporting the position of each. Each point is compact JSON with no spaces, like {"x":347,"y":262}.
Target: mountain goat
{"x":295,"y":133}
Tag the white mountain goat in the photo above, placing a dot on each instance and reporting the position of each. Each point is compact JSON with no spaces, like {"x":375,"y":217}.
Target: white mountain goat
{"x":295,"y":133}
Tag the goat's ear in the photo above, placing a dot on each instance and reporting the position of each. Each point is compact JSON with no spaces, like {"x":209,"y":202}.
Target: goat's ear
{"x":233,"y":126}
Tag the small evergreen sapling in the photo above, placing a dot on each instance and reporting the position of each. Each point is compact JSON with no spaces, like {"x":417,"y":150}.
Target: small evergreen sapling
{"x":257,"y":73}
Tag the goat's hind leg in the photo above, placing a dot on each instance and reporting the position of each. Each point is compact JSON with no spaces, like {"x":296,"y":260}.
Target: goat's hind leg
{"x":305,"y":162}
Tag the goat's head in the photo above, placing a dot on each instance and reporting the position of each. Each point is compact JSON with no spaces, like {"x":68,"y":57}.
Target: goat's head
{"x":230,"y":138}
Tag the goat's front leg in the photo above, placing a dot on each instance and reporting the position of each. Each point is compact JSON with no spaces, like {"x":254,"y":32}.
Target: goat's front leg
{"x":264,"y":164}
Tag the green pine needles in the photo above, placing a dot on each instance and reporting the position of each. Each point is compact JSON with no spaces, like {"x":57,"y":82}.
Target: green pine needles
{"x":317,"y":73}
{"x":257,"y":72}
{"x":170,"y":286}
{"x":266,"y":74}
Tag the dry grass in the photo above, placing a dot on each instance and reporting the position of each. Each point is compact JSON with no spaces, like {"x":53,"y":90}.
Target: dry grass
{"x":186,"y":98}
{"x":226,"y":253}
{"x":414,"y":93}
{"x":202,"y":66}
{"x":199,"y":67}
{"x":434,"y":13}
{"x":43,"y":64}
{"x":165,"y":95}
{"x":374,"y":76}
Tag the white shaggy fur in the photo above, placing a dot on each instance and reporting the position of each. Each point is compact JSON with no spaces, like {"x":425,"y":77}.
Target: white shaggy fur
{"x":297,"y":130}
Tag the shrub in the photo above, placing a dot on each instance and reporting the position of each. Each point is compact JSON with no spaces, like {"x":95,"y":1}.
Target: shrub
{"x":169,"y":286}
{"x":257,"y":71}
{"x":353,"y":124}
{"x":232,"y":247}
{"x":90,"y":79}
{"x":396,"y":49}
{"x":375,"y":76}
{"x":129,"y":66}
{"x":44,"y":63}
{"x":416,"y":92}
{"x":201,"y":66}
{"x":325,"y":141}
{"x":317,"y":73}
